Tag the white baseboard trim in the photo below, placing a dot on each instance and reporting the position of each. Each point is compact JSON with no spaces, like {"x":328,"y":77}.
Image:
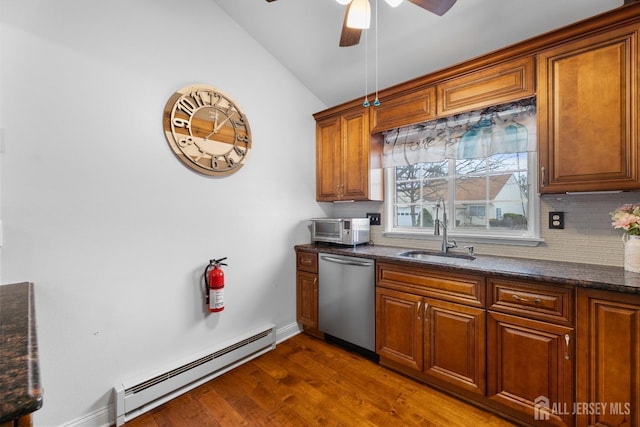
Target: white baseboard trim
{"x":105,"y":417}
{"x":287,"y":331}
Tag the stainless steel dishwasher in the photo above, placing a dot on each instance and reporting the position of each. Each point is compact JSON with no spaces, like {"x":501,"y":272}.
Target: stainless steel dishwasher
{"x":346,"y":300}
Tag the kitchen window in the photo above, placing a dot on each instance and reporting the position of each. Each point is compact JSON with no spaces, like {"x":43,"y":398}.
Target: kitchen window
{"x":482,"y":164}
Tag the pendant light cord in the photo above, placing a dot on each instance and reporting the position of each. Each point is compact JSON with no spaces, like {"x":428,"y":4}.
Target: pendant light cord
{"x":366,"y":70}
{"x":376,"y":102}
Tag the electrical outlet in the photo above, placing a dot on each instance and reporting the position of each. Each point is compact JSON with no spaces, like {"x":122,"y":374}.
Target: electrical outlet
{"x":556,"y":220}
{"x":374,"y":218}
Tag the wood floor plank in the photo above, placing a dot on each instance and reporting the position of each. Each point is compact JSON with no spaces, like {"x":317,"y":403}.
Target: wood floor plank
{"x":305,"y":381}
{"x":221,"y":410}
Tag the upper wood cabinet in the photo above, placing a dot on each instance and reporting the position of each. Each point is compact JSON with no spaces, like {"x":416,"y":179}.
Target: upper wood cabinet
{"x":404,"y":110}
{"x":588,"y":113}
{"x":348,"y":161}
{"x":585,"y":78}
{"x":508,"y":81}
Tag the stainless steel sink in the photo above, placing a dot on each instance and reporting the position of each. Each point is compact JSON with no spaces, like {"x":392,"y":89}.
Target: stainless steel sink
{"x":426,"y":255}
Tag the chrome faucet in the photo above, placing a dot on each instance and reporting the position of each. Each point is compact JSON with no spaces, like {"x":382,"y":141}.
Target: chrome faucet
{"x":446,"y":244}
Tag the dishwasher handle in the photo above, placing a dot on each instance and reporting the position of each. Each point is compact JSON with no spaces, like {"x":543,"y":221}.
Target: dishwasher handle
{"x":347,"y":262}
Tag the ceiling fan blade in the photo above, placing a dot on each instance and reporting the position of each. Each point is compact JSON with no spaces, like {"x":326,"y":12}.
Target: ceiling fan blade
{"x":439,"y":7}
{"x":349,"y":36}
{"x":270,"y":1}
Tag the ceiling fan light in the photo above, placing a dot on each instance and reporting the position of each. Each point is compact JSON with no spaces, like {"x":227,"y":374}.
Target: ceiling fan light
{"x":345,"y":2}
{"x":359,"y":14}
{"x":393,"y":3}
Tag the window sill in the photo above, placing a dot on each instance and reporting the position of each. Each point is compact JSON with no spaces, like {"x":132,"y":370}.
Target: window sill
{"x":468,"y":238}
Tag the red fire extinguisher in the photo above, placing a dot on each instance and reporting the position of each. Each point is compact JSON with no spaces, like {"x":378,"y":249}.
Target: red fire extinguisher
{"x":214,"y":282}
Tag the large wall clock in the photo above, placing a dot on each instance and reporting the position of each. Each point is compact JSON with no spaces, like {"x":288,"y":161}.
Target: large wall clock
{"x":207,"y":130}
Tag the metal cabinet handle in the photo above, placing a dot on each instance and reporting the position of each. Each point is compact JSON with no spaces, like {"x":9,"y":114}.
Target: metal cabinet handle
{"x":519,"y":298}
{"x":347,"y":262}
{"x":543,"y":182}
{"x":419,"y":304}
{"x":567,"y":354}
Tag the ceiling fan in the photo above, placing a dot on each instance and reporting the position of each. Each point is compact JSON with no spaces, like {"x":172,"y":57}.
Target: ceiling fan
{"x":351,"y":31}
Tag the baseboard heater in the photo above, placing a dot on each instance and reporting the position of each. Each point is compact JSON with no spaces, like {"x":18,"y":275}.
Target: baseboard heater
{"x":133,"y":398}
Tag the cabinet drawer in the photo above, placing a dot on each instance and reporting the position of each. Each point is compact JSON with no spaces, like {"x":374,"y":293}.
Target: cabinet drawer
{"x":307,"y":261}
{"x":463,"y":288}
{"x":553,"y":303}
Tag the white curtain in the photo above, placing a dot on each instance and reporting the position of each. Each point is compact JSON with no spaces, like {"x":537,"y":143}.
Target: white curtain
{"x":507,"y":128}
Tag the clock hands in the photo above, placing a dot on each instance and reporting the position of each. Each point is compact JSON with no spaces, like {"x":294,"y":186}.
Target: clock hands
{"x":216,"y":125}
{"x":216,"y":128}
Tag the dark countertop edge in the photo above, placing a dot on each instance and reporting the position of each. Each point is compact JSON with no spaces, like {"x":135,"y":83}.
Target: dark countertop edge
{"x":32,"y":400}
{"x":34,"y":403}
{"x":589,"y":276}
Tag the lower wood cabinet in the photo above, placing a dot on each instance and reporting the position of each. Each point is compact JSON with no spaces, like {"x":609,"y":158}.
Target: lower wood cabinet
{"x":307,"y":291}
{"x":444,"y":341}
{"x":24,"y":421}
{"x":530,"y":367}
{"x":307,"y":298}
{"x":454,"y":344}
{"x":608,"y":365}
{"x":507,"y":345}
{"x":399,"y":327}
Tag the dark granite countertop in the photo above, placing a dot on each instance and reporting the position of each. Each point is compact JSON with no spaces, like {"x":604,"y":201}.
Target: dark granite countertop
{"x":20,"y":390}
{"x":566,"y":273}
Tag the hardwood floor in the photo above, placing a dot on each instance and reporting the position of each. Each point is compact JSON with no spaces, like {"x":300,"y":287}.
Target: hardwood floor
{"x":306,"y":381}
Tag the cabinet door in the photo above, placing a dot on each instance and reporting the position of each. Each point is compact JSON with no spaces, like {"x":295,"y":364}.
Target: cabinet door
{"x":414,"y":107}
{"x":608,"y":362}
{"x":454,"y":344}
{"x":307,"y":299}
{"x":530,"y":365}
{"x":355,"y":151}
{"x":328,"y":159}
{"x":588,"y":113}
{"x":399,"y":327}
{"x":494,"y":85}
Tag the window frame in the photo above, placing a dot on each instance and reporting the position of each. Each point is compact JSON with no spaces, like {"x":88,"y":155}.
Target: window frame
{"x":529,"y":238}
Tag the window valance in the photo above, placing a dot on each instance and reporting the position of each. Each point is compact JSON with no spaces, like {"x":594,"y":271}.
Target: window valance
{"x":507,"y":128}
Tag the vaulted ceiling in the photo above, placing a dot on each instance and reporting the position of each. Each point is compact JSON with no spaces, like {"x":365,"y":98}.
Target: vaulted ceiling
{"x":303,"y":35}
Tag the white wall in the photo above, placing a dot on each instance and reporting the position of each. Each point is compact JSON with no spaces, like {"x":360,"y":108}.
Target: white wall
{"x":113,"y":230}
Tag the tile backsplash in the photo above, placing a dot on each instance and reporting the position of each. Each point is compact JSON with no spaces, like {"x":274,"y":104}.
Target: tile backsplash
{"x":587,"y":237}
